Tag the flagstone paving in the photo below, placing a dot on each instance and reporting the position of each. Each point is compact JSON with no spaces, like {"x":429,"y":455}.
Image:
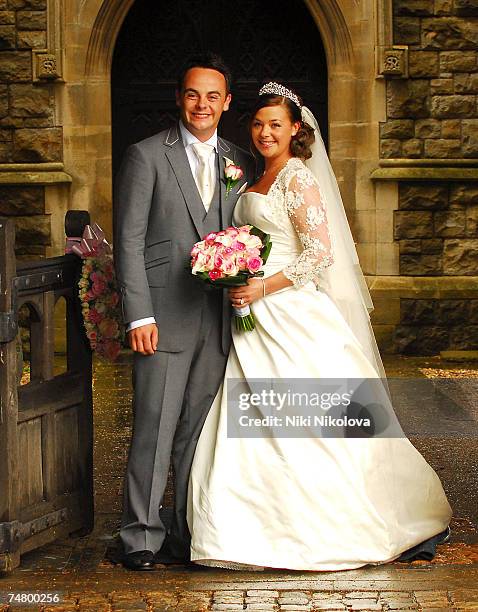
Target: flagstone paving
{"x":85,"y":572}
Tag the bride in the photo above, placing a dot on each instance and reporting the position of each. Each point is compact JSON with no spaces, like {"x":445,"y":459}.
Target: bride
{"x":313,"y":503}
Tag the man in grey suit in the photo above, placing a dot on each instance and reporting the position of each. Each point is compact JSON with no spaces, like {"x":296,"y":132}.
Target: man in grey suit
{"x":170,"y":192}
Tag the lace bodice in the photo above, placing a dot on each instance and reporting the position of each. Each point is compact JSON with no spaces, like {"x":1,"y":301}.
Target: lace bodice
{"x":295,"y":199}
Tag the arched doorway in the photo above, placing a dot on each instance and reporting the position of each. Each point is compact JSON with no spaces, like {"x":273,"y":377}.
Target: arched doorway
{"x":271,"y":39}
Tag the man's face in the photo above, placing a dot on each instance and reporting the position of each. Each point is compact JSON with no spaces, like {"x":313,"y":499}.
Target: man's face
{"x":202,"y":101}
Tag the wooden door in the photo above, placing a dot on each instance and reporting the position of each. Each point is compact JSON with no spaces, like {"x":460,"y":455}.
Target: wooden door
{"x":270,"y":39}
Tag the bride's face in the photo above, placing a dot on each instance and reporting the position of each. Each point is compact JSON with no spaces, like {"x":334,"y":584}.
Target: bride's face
{"x":272,"y":130}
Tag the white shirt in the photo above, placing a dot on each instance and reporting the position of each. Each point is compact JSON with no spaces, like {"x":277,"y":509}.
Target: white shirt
{"x":188,"y":140}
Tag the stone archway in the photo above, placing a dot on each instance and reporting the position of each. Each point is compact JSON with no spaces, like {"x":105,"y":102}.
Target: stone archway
{"x":355,"y":105}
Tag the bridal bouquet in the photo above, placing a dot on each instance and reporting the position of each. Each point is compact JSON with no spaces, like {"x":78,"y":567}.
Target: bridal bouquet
{"x":98,"y":293}
{"x":228,"y":259}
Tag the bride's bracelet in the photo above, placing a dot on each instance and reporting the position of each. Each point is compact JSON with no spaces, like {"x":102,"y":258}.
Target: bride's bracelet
{"x":263,"y":287}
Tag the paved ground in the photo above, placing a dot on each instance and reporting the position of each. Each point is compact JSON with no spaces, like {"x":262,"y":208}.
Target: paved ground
{"x":83,"y":572}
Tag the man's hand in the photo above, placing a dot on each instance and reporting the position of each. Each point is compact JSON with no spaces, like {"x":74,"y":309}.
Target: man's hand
{"x":144,"y":339}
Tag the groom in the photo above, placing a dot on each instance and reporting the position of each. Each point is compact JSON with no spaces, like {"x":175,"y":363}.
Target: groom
{"x":169,"y":193}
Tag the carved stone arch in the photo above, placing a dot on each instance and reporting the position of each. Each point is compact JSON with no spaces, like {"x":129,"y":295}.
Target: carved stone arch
{"x":106,"y":27}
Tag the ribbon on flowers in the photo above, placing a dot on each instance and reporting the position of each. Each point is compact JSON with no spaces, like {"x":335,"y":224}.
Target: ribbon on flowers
{"x":90,"y":244}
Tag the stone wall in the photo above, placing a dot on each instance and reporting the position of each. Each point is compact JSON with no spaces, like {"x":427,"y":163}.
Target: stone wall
{"x":434,"y":114}
{"x":432,"y":117}
{"x":28,"y":134}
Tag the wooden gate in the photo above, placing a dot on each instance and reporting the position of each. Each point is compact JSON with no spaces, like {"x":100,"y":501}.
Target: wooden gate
{"x":46,"y":426}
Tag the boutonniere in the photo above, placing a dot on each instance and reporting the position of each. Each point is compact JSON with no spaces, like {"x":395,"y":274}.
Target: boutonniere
{"x":232,"y":173}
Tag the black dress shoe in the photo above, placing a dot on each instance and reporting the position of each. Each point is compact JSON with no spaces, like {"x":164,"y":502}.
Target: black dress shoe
{"x":140,"y":560}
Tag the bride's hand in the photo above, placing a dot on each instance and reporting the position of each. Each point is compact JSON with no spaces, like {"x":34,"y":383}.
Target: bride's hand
{"x":241,"y":296}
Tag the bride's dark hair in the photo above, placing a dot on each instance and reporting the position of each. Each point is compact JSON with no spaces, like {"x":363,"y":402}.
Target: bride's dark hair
{"x":305,"y":137}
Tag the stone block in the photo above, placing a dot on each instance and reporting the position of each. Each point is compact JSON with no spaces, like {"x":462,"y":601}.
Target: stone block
{"x":34,"y":5}
{"x":460,"y":257}
{"x":412,"y":148}
{"x":442,"y":86}
{"x":31,"y":40}
{"x":410,"y":247}
{"x":431,"y":246}
{"x":31,"y":20}
{"x":21,"y":200}
{"x":464,"y":338}
{"x":452,"y":312}
{"x":413,"y":7}
{"x":466,"y":83}
{"x":406,"y":30}
{"x":38,"y":145}
{"x":5,"y":152}
{"x":443,"y":7}
{"x":423,"y":64}
{"x":7,"y":37}
{"x":458,"y":61}
{"x":428,"y":128}
{"x":472,"y":311}
{"x":16,"y":66}
{"x":32,"y":230}
{"x":7,"y":18}
{"x":444,"y":107}
{"x":407,"y":98}
{"x":468,"y":8}
{"x":398,"y":128}
{"x":429,"y":340}
{"x":449,"y":224}
{"x":463,"y":194}
{"x":451,"y":128}
{"x":390,"y":148}
{"x":423,"y":196}
{"x":472,"y":221}
{"x":3,"y":101}
{"x":470,"y":138}
{"x":449,"y":33}
{"x":421,"y":265}
{"x":29,"y":100}
{"x":413,"y":224}
{"x":442,"y":148}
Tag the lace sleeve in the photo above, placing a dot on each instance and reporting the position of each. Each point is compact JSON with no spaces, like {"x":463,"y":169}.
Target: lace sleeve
{"x":306,"y":210}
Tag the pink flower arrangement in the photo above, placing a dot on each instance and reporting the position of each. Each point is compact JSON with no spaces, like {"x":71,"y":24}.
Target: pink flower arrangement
{"x":232,"y":173}
{"x":100,"y":305}
{"x":228,"y":259}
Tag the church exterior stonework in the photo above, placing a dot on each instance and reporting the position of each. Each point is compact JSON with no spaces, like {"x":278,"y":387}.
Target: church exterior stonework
{"x":403,"y":140}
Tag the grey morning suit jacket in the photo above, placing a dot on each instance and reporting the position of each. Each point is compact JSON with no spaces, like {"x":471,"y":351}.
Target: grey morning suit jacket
{"x":159,"y":216}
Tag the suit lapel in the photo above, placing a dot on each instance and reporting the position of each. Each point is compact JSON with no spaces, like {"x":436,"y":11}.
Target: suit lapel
{"x":178,"y":159}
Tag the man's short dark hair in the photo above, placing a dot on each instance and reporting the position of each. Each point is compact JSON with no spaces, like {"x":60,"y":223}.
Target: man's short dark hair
{"x":206,"y":60}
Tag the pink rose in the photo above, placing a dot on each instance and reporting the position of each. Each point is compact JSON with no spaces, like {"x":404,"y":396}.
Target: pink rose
{"x":218,"y":260}
{"x":233,"y":172}
{"x":95,"y":316}
{"x":254,"y":264}
{"x":238,"y":246}
{"x":210,"y":238}
{"x":98,"y":288}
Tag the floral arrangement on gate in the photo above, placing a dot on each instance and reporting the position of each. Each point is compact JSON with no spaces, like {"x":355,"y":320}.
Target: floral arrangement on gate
{"x":228,"y":259}
{"x":98,"y":292}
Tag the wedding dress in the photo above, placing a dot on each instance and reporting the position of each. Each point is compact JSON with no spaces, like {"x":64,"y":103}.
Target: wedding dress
{"x":303,"y":503}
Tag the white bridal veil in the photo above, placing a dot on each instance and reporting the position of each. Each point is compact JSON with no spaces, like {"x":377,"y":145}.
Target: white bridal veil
{"x":343,"y":280}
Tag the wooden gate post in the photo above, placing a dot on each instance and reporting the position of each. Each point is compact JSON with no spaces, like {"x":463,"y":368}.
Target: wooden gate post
{"x":8,"y":401}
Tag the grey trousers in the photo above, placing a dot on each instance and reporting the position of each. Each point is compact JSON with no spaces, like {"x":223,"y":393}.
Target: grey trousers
{"x":172,"y":395}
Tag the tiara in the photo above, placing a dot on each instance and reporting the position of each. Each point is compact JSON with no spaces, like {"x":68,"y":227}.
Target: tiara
{"x":279,"y":90}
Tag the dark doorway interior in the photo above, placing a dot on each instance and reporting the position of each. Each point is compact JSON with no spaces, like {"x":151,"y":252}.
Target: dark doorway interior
{"x":270,"y":39}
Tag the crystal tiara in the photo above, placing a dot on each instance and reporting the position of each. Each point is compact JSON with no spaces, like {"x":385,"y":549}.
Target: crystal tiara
{"x":279,"y":90}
